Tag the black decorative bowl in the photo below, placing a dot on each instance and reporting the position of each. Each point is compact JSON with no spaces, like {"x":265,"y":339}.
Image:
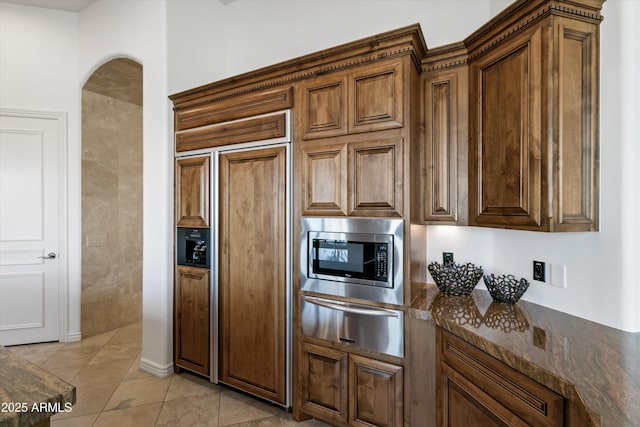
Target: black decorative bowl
{"x":455,"y":279}
{"x":505,"y":289}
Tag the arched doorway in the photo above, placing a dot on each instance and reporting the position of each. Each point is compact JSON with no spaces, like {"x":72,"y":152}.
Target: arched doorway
{"x":112,"y":197}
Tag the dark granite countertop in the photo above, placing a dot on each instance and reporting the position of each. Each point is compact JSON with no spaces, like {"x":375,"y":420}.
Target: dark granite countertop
{"x":589,"y":363}
{"x":28,"y":393}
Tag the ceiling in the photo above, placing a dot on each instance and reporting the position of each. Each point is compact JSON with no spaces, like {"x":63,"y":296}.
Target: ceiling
{"x":68,"y":5}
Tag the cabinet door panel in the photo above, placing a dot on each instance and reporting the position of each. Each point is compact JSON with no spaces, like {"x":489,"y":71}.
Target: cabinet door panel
{"x":376,"y":101}
{"x":375,"y":393}
{"x":192,"y":192}
{"x":324,"y":179}
{"x":506,"y":147}
{"x":252,"y":271}
{"x":324,"y":107}
{"x":324,"y":383}
{"x":576,"y":168}
{"x":191,"y":296}
{"x":375,"y":178}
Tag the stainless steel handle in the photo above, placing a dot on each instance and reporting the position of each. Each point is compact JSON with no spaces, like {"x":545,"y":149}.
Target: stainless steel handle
{"x":352,"y":308}
{"x":50,"y":255}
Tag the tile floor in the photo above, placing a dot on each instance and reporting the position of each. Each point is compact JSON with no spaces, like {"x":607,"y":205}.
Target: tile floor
{"x":111,"y":390}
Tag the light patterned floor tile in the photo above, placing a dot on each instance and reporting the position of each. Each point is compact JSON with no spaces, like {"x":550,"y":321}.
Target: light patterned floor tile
{"x":89,"y":400}
{"x":139,"y":416}
{"x":102,"y":373}
{"x":191,"y":412}
{"x":71,"y":357}
{"x":237,"y":408}
{"x":188,"y":385}
{"x":138,"y":392}
{"x":127,"y":334}
{"x":83,"y":421}
{"x":110,"y":353}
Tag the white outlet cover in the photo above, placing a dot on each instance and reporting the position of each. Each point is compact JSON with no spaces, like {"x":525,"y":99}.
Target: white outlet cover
{"x":558,"y":275}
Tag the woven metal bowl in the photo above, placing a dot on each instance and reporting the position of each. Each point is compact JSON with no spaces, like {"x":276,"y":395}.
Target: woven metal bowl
{"x":506,"y":289}
{"x":455,"y":279}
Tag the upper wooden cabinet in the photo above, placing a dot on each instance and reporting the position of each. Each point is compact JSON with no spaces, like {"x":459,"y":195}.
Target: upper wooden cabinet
{"x":360,"y":176}
{"x":365,"y":99}
{"x":443,"y":185}
{"x":533,"y":119}
{"x":192,"y":192}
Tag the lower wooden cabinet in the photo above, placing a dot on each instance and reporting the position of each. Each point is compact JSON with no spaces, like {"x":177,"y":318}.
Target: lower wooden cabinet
{"x":191,"y":319}
{"x":347,"y":389}
{"x":474,"y":389}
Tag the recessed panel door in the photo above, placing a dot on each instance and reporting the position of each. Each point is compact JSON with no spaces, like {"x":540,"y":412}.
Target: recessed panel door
{"x":29,"y":230}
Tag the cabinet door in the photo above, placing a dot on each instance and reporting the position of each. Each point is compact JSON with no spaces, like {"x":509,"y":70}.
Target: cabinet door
{"x":507,"y":158}
{"x":375,"y":178}
{"x":444,"y":185}
{"x":252,"y":271}
{"x":324,"y":179}
{"x":474,"y":387}
{"x":191,"y":319}
{"x":324,"y":106}
{"x":192,"y":192}
{"x":375,"y":393}
{"x":324,"y":383}
{"x":376,"y":99}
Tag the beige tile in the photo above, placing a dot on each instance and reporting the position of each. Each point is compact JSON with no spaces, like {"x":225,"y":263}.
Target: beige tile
{"x":111,"y":353}
{"x":38,"y":358}
{"x":239,"y":408}
{"x":139,"y":416}
{"x":72,"y":357}
{"x":94,"y":341}
{"x":188,"y":385}
{"x":83,"y":421}
{"x":127,"y":334}
{"x":46,"y":347}
{"x":89,"y":400}
{"x":135,"y":372}
{"x":191,"y":412}
{"x":102,"y":373}
{"x":65,"y":373}
{"x":263,"y":422}
{"x":287,"y":421}
{"x":139,"y":392}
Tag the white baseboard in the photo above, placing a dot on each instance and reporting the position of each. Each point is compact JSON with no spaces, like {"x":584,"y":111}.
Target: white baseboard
{"x":153,"y":368}
{"x":72,"y":337}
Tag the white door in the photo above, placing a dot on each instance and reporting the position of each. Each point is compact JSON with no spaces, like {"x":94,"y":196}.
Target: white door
{"x":29,"y":229}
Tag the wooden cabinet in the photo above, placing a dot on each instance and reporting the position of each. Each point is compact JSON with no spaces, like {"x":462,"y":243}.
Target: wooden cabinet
{"x":533,"y":106}
{"x":364,"y":99}
{"x":191,"y":319}
{"x":443,"y":184}
{"x":192,"y":192}
{"x":474,"y":389}
{"x":347,"y":389}
{"x":353,"y":176}
{"x":252,"y":271}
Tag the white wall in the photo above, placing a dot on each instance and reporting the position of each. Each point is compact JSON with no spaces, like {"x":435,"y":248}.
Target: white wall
{"x":39,"y":71}
{"x":137,"y":29}
{"x":209,"y":42}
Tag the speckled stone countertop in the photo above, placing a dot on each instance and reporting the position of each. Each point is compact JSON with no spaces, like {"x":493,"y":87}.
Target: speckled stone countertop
{"x":23,"y":385}
{"x":586,"y":362}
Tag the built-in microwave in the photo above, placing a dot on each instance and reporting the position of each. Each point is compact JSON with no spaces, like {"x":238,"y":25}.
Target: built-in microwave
{"x":353,"y":257}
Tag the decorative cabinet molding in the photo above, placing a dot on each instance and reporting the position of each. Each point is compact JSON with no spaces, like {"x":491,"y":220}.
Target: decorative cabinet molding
{"x":324,"y":106}
{"x":191,"y":319}
{"x":192,"y":192}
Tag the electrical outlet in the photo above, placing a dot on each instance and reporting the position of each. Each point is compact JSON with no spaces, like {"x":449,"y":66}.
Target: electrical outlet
{"x":447,"y":258}
{"x":538,"y":271}
{"x":558,"y":275}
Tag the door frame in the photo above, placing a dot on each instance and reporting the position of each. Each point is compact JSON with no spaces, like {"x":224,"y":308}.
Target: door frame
{"x":63,"y":249}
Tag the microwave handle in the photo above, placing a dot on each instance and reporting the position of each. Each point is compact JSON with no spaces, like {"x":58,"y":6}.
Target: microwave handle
{"x":351,"y":308}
